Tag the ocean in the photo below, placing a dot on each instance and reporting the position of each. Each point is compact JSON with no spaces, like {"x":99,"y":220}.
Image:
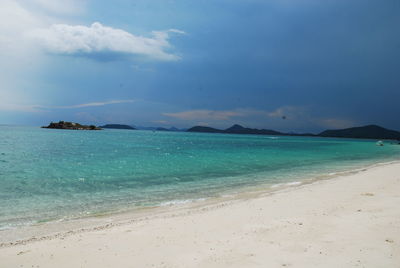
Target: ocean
{"x":50,"y":175}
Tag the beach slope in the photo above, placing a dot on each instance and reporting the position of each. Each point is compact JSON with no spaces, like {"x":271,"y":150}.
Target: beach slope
{"x":348,"y":221}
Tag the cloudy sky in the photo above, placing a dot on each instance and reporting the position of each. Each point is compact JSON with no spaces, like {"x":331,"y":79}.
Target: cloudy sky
{"x":319,"y":64}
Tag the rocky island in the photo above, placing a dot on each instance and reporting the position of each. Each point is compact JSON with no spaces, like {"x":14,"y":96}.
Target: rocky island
{"x":71,"y":125}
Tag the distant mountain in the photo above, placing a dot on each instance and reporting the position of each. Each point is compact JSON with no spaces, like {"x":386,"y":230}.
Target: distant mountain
{"x":159,"y":128}
{"x":365,"y":132}
{"x":162,"y":129}
{"x":238,"y":129}
{"x":300,"y":134}
{"x":174,"y":129}
{"x":204,"y":129}
{"x":145,"y":128}
{"x":118,"y":126}
{"x":235,"y":129}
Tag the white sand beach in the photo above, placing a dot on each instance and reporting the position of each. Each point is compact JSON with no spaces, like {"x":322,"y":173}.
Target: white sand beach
{"x":347,"y":221}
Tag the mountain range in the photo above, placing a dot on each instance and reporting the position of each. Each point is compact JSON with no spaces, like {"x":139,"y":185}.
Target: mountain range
{"x":121,"y":126}
{"x":365,"y":132}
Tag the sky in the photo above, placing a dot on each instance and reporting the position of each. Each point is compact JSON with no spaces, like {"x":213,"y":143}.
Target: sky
{"x":288,"y":65}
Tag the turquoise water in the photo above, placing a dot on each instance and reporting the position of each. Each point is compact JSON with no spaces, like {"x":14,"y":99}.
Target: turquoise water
{"x":48,"y":174}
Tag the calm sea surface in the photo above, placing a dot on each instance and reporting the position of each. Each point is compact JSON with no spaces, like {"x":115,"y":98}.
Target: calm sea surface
{"x":48,"y":174}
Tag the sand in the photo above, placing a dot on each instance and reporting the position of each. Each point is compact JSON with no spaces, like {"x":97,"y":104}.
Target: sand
{"x":347,"y":221}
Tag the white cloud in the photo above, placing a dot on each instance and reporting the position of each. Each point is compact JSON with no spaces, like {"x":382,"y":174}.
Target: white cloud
{"x":37,"y":108}
{"x":15,"y":21}
{"x":21,"y":16}
{"x":19,"y":56}
{"x":176,"y":31}
{"x":22,"y":56}
{"x":79,"y":39}
{"x":84,"y":105}
{"x":89,"y":104}
{"x":205,"y":115}
{"x":289,"y":112}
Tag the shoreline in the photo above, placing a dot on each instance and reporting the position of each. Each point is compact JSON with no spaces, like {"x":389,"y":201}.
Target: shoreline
{"x":22,"y":235}
{"x":346,"y":221}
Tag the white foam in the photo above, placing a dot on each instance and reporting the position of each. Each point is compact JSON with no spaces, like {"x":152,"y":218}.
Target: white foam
{"x":293,"y":183}
{"x":180,"y":202}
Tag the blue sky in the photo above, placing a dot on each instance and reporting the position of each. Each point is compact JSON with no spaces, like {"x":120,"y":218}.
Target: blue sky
{"x":321,"y":64}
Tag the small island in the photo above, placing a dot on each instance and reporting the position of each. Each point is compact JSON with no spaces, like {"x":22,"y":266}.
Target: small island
{"x":118,"y":126}
{"x":71,"y":125}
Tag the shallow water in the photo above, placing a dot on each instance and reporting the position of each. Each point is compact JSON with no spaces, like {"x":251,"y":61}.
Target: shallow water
{"x":48,"y":174}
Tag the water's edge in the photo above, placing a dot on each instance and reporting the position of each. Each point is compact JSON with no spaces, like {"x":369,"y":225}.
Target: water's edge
{"x":62,"y":228}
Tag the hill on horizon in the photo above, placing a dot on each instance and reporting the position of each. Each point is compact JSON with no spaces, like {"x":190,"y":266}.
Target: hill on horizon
{"x":118,"y":126}
{"x":363,"y":132}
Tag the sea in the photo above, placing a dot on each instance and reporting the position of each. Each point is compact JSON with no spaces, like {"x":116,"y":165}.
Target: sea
{"x":59,"y":175}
